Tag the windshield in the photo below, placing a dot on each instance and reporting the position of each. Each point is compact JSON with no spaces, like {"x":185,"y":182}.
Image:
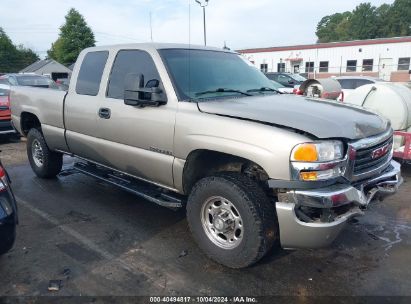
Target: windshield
{"x":210,"y":74}
{"x":35,"y":81}
{"x":298,"y":77}
{"x":276,"y":84}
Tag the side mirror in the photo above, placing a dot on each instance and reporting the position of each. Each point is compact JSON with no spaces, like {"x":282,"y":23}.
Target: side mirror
{"x":139,"y":94}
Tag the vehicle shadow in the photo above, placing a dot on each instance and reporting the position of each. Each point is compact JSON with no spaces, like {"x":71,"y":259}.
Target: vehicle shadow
{"x":9,"y":138}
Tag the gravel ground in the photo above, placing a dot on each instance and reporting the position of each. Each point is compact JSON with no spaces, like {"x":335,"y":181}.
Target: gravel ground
{"x":13,"y":150}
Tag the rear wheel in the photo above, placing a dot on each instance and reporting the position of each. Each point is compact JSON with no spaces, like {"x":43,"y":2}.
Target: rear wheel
{"x":44,"y":162}
{"x":232,"y":219}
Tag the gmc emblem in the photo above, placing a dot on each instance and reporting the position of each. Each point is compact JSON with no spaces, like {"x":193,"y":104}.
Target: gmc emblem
{"x":380,"y":152}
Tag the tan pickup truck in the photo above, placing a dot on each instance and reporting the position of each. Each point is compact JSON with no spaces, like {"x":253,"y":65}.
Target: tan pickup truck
{"x":200,"y":128}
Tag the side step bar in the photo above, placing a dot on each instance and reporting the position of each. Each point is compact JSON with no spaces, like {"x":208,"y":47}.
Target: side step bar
{"x":140,"y":188}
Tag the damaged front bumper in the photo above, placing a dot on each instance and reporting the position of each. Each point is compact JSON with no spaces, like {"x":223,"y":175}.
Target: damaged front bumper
{"x":314,"y":218}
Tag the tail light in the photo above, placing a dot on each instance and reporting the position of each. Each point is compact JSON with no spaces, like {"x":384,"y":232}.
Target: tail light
{"x":297,"y":91}
{"x":3,"y":179}
{"x":341,"y":98}
{"x":4,"y":102}
{"x":2,"y":172}
{"x":7,"y":207}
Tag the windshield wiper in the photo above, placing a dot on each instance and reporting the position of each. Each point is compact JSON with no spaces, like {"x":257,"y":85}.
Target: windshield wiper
{"x":222,"y":90}
{"x":265,"y":89}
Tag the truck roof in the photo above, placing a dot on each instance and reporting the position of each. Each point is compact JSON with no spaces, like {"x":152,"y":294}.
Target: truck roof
{"x":156,"y":46}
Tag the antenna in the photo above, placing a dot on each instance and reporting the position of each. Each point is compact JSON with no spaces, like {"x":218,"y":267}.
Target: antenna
{"x":151,"y":29}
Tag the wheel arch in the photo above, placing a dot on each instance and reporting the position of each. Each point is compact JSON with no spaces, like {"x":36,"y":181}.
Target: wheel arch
{"x":28,"y":121}
{"x":202,"y":162}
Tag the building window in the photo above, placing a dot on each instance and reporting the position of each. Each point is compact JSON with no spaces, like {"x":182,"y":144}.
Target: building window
{"x":309,"y":67}
{"x":351,"y":65}
{"x":323,"y":66}
{"x":281,"y":67}
{"x":404,"y":64}
{"x":367,"y":65}
{"x":264,"y":67}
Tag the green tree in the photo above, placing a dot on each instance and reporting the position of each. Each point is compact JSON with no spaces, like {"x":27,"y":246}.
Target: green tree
{"x":383,"y":17}
{"x":333,"y":27}
{"x":8,"y":53}
{"x":12,"y":58}
{"x":363,"y":22}
{"x":399,"y":19}
{"x":27,"y":56}
{"x":55,"y":52}
{"x":367,"y":22}
{"x":342,"y":29}
{"x":75,"y":35}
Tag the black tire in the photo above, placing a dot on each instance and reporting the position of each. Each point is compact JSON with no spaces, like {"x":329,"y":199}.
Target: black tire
{"x":255,"y":208}
{"x":8,"y":233}
{"x":52,"y":162}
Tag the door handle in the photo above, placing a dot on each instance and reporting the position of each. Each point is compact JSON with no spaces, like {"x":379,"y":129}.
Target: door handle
{"x":104,"y":113}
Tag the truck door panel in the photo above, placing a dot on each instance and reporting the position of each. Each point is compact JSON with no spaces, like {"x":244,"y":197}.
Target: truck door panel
{"x":81,"y":108}
{"x":138,"y":141}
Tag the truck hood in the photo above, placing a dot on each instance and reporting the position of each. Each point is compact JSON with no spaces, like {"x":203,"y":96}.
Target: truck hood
{"x":323,"y":119}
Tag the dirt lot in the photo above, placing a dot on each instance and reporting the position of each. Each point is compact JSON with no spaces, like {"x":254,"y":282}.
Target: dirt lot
{"x":103,"y":241}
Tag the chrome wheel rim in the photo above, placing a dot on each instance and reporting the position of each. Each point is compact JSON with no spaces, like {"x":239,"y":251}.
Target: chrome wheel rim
{"x":37,"y":152}
{"x":222,"y":222}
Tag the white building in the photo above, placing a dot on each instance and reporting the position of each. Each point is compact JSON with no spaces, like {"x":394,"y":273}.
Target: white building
{"x":48,"y":67}
{"x":387,"y":58}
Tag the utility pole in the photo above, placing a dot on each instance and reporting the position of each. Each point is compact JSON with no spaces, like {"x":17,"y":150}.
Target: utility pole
{"x":203,"y":5}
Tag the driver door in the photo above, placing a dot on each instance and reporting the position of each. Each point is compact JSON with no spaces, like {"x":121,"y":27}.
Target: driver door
{"x":136,"y":140}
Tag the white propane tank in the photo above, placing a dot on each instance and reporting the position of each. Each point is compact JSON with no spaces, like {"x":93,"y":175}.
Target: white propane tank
{"x":390,"y":100}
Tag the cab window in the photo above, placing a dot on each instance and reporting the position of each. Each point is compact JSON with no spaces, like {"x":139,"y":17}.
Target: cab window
{"x":91,"y":70}
{"x":131,"y":62}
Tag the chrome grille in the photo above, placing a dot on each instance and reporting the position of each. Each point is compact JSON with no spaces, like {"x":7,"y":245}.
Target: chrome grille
{"x":366,"y":160}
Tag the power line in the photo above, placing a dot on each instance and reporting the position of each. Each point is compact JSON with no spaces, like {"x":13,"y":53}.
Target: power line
{"x":35,"y":31}
{"x":118,"y":36}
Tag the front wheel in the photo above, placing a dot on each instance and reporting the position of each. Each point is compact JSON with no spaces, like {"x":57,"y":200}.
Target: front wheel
{"x":44,"y":162}
{"x":232,"y":219}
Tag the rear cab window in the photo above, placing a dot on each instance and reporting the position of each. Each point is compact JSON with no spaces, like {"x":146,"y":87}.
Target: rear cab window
{"x":91,"y":71}
{"x":346,"y":84}
{"x":361,"y":82}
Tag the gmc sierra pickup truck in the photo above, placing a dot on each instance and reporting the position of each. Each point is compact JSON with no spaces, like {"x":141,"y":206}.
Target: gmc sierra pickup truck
{"x":200,"y":128}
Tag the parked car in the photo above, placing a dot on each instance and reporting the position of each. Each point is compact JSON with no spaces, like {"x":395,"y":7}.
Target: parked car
{"x":31,"y":80}
{"x":5,"y":113}
{"x":350,"y":83}
{"x":199,"y":128}
{"x":282,"y":89}
{"x":286,"y":79}
{"x":8,"y":213}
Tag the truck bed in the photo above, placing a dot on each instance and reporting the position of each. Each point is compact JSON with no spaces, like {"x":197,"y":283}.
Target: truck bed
{"x":47,"y":105}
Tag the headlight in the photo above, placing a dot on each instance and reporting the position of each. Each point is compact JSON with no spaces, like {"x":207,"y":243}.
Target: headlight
{"x":318,"y":151}
{"x":318,"y":160}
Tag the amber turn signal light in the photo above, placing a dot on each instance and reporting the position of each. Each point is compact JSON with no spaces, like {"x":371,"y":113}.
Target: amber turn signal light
{"x":305,"y":153}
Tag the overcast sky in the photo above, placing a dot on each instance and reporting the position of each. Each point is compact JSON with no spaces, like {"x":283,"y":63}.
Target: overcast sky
{"x":241,"y":23}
